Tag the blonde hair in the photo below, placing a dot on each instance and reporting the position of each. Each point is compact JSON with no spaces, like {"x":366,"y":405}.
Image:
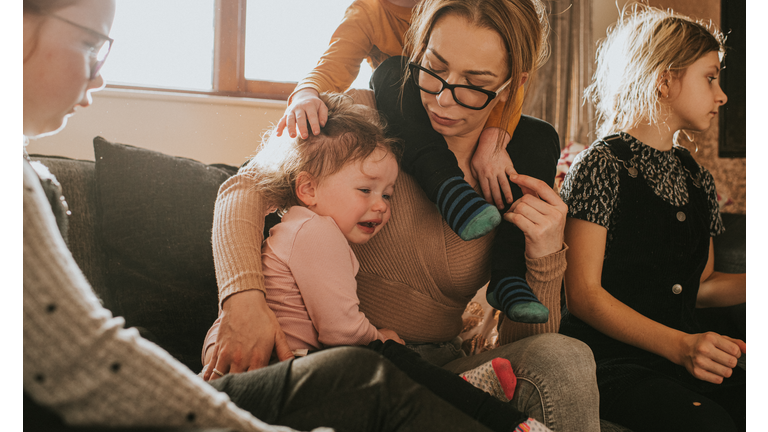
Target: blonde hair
{"x":521,"y":24}
{"x":644,"y":45}
{"x":351,"y":134}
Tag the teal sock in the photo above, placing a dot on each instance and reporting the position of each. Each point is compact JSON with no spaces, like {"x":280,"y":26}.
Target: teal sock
{"x":466,"y":212}
{"x":513,"y":296}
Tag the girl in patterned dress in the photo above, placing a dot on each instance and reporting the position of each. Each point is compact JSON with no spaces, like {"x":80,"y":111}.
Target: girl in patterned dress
{"x":642,"y":214}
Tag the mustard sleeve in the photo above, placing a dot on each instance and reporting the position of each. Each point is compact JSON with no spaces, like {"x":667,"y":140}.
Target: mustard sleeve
{"x":350,"y":44}
{"x":494,"y":120}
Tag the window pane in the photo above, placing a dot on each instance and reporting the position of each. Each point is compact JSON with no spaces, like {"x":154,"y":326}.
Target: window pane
{"x":165,"y":43}
{"x":285,"y":39}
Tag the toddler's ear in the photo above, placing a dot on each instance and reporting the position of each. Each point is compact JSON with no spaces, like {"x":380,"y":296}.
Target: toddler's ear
{"x":306,"y":189}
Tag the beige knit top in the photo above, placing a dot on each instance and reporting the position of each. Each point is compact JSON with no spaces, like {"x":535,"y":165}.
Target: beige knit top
{"x":416,"y":276}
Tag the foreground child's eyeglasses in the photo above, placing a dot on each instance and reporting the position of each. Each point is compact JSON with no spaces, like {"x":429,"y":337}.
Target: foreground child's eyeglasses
{"x":100,"y":55}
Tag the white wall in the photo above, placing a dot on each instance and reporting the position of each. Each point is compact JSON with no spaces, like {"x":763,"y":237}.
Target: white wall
{"x":211,"y":129}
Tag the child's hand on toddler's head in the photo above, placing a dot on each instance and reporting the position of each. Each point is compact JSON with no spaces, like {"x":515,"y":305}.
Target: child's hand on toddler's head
{"x":492,"y":168}
{"x":306,"y":107}
{"x":390,"y":334}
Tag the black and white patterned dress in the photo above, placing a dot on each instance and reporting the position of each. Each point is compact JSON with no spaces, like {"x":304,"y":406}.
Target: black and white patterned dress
{"x":591,"y":187}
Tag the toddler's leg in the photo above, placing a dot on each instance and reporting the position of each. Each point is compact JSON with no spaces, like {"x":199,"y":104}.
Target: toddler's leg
{"x":508,"y":290}
{"x":476,"y":403}
{"x":495,"y":377}
{"x":347,"y":389}
{"x":426,"y":155}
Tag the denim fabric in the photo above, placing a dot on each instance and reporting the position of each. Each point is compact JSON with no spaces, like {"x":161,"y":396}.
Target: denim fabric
{"x":556,"y":382}
{"x":347,"y":389}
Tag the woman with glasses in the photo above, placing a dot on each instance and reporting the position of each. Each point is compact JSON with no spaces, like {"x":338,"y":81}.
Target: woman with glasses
{"x":417,"y":276}
{"x":83,"y":369}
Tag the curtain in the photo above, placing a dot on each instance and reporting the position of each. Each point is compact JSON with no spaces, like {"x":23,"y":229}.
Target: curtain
{"x":555,"y":92}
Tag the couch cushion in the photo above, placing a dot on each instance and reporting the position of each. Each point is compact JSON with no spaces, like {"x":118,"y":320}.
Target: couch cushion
{"x":79,"y":189}
{"x":155,"y":219}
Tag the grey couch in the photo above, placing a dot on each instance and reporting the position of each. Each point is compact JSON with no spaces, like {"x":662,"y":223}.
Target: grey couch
{"x":140,"y":230}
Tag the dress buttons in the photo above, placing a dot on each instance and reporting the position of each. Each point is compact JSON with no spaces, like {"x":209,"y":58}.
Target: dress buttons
{"x":677,"y":288}
{"x":680,"y":216}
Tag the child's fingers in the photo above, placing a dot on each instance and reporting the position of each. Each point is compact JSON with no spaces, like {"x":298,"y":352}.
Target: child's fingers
{"x":322,"y":114}
{"x":291,"y":125}
{"x":280,"y":126}
{"x":739,"y":343}
{"x":301,"y":123}
{"x":727,"y":351}
{"x":505,"y":189}
{"x":485,"y":188}
{"x":313,"y":121}
{"x":496,"y":192}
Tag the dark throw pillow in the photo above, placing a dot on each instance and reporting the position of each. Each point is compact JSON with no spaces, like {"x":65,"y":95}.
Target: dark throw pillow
{"x":155,"y":220}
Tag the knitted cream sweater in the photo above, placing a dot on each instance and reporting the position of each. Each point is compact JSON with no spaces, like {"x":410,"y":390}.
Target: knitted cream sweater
{"x":82,"y":363}
{"x":416,"y":276}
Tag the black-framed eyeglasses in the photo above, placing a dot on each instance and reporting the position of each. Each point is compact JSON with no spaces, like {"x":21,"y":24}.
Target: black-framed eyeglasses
{"x":468,"y":96}
{"x":99,"y":55}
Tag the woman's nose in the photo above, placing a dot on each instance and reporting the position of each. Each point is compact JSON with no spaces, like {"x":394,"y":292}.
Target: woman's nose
{"x":445,"y":98}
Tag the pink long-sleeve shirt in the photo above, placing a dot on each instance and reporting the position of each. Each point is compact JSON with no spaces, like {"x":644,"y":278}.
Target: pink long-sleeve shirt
{"x":309,"y":275}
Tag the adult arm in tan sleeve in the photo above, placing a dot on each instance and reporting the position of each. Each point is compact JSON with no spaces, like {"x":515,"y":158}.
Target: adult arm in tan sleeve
{"x":249,"y":331}
{"x":545,"y":276}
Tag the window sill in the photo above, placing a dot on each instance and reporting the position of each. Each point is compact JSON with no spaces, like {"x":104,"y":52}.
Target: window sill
{"x":189,"y":96}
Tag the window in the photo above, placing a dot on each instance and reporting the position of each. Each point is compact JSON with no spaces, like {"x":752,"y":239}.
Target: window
{"x":256,"y":48}
{"x":155,"y":50}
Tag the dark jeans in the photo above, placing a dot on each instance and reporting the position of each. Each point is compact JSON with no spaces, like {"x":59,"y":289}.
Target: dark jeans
{"x":478,"y":404}
{"x":665,"y":397}
{"x":348,"y":389}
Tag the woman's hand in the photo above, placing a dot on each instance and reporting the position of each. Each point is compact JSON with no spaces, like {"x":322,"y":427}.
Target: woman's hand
{"x":248,"y":334}
{"x":390,"y":334}
{"x":540,"y":215}
{"x":710,"y":356}
{"x":306,"y":107}
{"x":492,"y":168}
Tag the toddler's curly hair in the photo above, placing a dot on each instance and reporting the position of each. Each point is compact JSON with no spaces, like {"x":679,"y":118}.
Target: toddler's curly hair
{"x":351,"y":134}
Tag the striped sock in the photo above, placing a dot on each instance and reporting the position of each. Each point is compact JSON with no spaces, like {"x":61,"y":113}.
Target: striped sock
{"x":514,"y":297}
{"x":495,"y":377}
{"x":466,"y":212}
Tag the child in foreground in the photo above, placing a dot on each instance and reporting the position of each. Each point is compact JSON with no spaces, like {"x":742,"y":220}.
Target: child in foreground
{"x":334,"y":189}
{"x":376,"y":30}
{"x":642,"y":214}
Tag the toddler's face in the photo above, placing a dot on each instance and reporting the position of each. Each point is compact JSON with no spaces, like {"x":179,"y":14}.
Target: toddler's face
{"x":358,"y":196}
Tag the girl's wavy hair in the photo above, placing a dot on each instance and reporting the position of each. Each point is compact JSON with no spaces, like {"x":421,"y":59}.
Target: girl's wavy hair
{"x":351,"y":134}
{"x":522,"y":25}
{"x":644,"y":45}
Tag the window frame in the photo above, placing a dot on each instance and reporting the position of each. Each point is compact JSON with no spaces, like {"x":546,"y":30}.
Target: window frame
{"x":229,"y":60}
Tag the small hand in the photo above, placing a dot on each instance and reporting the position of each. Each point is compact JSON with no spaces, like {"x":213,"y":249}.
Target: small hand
{"x":390,"y":334}
{"x":710,"y":356}
{"x":540,"y":214}
{"x":248,"y":334}
{"x":492,"y":168}
{"x":306,"y":107}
